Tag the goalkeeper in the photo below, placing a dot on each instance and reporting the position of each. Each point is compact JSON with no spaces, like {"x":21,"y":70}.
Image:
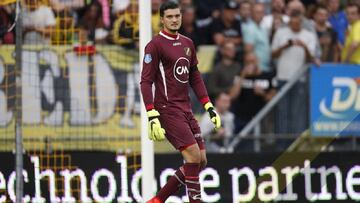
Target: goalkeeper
{"x":170,"y":64}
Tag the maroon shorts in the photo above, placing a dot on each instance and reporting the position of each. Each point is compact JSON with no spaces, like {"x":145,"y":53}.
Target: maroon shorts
{"x":182,"y":129}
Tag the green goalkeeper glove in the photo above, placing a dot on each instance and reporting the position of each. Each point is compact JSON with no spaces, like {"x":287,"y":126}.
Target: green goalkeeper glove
{"x":214,"y":116}
{"x":156,"y":132}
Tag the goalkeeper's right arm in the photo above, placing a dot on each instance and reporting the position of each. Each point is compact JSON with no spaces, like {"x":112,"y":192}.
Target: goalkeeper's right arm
{"x":148,"y":75}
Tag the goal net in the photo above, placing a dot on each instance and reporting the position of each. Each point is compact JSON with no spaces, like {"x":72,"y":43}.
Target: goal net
{"x":80,"y":102}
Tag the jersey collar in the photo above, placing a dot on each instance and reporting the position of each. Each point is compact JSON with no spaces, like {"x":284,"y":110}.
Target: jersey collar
{"x":168,"y":35}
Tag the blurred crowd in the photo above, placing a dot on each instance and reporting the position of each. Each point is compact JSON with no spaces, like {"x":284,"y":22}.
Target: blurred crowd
{"x":324,"y":29}
{"x":261,"y":44}
{"x":251,"y":25}
{"x":259,"y":26}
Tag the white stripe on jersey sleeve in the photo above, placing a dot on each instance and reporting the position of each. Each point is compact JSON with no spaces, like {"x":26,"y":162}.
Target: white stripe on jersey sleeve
{"x":162,"y":71}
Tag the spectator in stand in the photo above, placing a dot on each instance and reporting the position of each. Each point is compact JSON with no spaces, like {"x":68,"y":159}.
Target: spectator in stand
{"x":6,"y":20}
{"x":64,"y":30}
{"x":119,"y":7}
{"x":126,"y":29}
{"x":272,"y":22}
{"x":328,"y":40}
{"x":38,"y":22}
{"x":92,"y":21}
{"x":337,"y":19}
{"x":206,"y":11}
{"x":256,"y":89}
{"x":227,"y":28}
{"x":244,"y":13}
{"x":298,"y":6}
{"x":189,"y":27}
{"x":66,"y":5}
{"x":225,"y":75}
{"x":185,"y":3}
{"x":66,"y":8}
{"x":267,"y":5}
{"x":311,"y":6}
{"x":256,"y":39}
{"x":216,"y":141}
{"x":155,"y":16}
{"x":351,"y":51}
{"x":292,"y":46}
{"x":105,"y":11}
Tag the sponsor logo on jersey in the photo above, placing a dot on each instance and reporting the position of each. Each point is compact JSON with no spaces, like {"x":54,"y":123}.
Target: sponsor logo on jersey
{"x":187,"y":51}
{"x":147,"y":58}
{"x":176,"y":44}
{"x":182,"y":70}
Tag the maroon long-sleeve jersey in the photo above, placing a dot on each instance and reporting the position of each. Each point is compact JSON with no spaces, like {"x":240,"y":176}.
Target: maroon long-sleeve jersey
{"x":170,"y":64}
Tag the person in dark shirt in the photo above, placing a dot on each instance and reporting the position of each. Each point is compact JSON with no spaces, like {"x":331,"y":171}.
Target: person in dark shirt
{"x":256,"y":90}
{"x":126,"y":30}
{"x":329,"y":44}
{"x":5,"y":23}
{"x":189,"y":27}
{"x":207,"y":9}
{"x":227,"y":28}
{"x":244,"y":13}
{"x":92,"y":21}
{"x":170,"y":64}
{"x":225,"y":75}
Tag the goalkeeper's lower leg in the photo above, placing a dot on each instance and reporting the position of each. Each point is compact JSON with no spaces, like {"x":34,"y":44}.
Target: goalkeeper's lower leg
{"x":192,"y":182}
{"x":172,"y":186}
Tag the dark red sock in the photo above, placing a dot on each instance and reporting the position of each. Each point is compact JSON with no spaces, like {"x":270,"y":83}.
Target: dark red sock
{"x":172,"y":186}
{"x":192,"y":182}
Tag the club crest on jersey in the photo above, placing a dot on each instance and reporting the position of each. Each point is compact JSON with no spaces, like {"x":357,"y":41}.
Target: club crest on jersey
{"x":181,"y":70}
{"x":147,"y":58}
{"x":187,"y":51}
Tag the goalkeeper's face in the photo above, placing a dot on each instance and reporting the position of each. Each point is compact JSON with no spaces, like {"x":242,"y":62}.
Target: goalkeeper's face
{"x":171,"y":20}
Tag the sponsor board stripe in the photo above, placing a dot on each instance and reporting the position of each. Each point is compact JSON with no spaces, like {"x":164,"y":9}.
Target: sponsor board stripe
{"x":284,"y":160}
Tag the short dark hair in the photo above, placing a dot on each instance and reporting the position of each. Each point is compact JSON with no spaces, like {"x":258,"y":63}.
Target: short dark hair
{"x":168,"y":5}
{"x":231,"y":5}
{"x":320,"y":7}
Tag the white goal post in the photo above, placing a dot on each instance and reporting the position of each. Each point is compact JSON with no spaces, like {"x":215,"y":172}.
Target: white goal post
{"x":147,"y":147}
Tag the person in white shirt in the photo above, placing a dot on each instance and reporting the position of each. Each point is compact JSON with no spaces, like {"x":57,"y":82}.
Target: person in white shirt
{"x":216,"y":141}
{"x":38,"y":22}
{"x":61,"y":5}
{"x":119,"y":6}
{"x":276,"y":19}
{"x":293,"y":47}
